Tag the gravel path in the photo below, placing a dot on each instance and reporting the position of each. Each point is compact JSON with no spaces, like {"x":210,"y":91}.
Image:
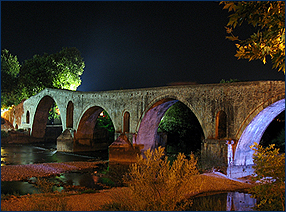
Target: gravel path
{"x":23,"y":172}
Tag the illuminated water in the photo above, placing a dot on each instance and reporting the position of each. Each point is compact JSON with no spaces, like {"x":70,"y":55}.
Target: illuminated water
{"x":29,"y":154}
{"x":46,"y":153}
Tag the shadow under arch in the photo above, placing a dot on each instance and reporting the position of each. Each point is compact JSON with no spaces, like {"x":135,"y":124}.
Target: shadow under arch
{"x":85,"y":134}
{"x":254,"y":132}
{"x":147,"y":132}
{"x":41,"y":117}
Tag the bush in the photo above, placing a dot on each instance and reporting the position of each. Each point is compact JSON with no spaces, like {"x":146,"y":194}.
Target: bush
{"x":4,"y":134}
{"x":44,"y":185}
{"x":270,"y":171}
{"x":154,"y":184}
{"x":57,"y":202}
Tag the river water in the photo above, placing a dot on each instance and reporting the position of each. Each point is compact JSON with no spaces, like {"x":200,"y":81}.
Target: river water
{"x":46,"y":153}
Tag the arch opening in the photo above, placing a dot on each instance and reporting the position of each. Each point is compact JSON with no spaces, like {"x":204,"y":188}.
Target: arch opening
{"x":221,"y":125}
{"x":95,"y":130}
{"x":126,"y":122}
{"x":162,"y":125}
{"x":28,"y":117}
{"x":275,"y":133}
{"x":69,"y":117}
{"x":47,"y":123}
{"x":254,"y":132}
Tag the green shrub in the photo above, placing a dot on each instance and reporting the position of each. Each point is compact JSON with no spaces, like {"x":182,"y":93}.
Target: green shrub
{"x":154,"y":184}
{"x":44,"y":185}
{"x":4,"y":134}
{"x":270,"y":171}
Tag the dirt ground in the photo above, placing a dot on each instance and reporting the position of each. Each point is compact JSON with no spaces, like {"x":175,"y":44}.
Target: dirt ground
{"x":209,"y":182}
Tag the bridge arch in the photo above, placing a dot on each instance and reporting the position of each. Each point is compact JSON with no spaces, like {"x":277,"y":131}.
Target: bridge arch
{"x":254,"y":112}
{"x":85,"y":130}
{"x":254,"y":131}
{"x":41,"y":116}
{"x":147,"y":132}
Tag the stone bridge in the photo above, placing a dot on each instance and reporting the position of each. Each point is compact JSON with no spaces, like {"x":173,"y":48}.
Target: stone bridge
{"x":239,"y":111}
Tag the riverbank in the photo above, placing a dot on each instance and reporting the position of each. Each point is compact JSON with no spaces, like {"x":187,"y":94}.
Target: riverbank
{"x":75,"y":201}
{"x":24,"y":172}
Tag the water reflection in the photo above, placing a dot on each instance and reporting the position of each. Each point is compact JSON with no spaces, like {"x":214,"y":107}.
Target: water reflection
{"x":231,"y":201}
{"x":82,"y":179}
{"x":17,"y":187}
{"x":29,"y":154}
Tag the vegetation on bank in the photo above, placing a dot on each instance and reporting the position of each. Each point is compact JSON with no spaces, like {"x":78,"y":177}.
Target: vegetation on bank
{"x":270,"y":172}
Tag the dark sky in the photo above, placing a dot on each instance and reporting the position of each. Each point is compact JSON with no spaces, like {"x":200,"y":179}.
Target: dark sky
{"x":132,"y":44}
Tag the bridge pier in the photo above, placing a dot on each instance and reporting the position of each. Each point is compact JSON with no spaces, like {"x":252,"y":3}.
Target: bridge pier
{"x":65,"y":142}
{"x":214,"y":149}
{"x":123,"y":151}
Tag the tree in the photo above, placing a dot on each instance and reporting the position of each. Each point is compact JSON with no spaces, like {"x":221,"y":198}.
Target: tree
{"x":61,"y":70}
{"x":268,"y":19}
{"x":270,"y":171}
{"x":69,"y":66}
{"x":10,"y":68}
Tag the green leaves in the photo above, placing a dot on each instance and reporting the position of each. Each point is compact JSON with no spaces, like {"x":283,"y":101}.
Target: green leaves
{"x":10,"y":68}
{"x":61,"y":70}
{"x":268,"y":18}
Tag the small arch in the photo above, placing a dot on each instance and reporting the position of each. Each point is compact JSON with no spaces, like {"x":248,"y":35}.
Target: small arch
{"x":28,"y":117}
{"x":126,"y":122}
{"x":221,"y":124}
{"x":69,"y":120}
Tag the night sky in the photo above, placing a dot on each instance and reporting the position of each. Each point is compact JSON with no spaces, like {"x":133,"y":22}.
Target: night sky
{"x":133,"y":44}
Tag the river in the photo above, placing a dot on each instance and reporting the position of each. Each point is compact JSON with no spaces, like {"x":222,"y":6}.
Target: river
{"x":46,"y":153}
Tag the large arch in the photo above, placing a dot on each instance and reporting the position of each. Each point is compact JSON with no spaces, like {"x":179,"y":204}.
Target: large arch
{"x":88,"y":135}
{"x":147,"y":132}
{"x":41,"y":117}
{"x":254,"y":131}
{"x":87,"y":123}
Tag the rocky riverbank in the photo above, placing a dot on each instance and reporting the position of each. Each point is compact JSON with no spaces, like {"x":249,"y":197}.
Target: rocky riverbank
{"x":24,"y":172}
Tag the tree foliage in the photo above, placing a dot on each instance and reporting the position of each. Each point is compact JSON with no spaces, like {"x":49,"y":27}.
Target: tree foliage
{"x":104,"y":121}
{"x":229,"y":81}
{"x":10,"y":68}
{"x":61,"y":70}
{"x":268,"y":19}
{"x":270,"y":171}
